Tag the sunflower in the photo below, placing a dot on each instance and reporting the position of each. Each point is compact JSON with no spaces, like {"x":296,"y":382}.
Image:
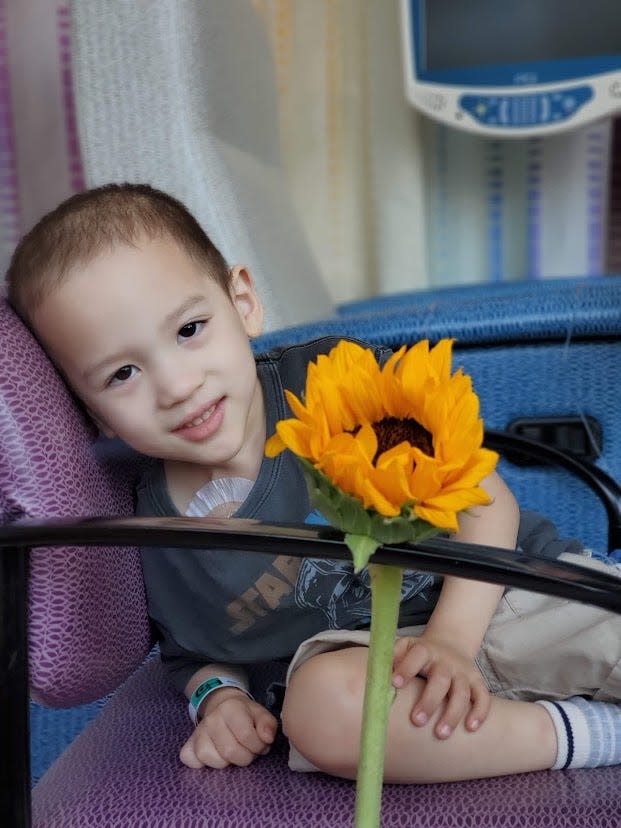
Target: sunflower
{"x":404,"y":439}
{"x":390,"y":454}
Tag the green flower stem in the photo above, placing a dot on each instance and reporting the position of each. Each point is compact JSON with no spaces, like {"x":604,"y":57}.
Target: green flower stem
{"x":379,"y":693}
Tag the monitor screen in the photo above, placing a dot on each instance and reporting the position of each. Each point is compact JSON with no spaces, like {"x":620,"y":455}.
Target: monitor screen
{"x":458,"y":34}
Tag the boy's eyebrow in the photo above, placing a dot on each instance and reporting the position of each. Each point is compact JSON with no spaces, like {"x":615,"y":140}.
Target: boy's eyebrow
{"x":169,"y":319}
{"x":183,"y":308}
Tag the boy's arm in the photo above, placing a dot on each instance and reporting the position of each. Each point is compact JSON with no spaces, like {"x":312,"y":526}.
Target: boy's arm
{"x":466,"y":607}
{"x":444,"y":654}
{"x":232,"y":728}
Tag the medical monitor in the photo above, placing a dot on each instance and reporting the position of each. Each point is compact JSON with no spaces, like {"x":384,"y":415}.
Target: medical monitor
{"x":513,"y":69}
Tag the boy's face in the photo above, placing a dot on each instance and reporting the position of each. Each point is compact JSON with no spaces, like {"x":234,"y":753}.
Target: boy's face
{"x":159,"y":353}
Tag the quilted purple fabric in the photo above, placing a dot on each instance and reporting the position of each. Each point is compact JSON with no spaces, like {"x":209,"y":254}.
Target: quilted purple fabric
{"x":49,"y":468}
{"x":124,"y":771}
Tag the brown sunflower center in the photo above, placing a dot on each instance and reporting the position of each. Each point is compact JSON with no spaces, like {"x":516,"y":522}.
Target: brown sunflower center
{"x":390,"y":431}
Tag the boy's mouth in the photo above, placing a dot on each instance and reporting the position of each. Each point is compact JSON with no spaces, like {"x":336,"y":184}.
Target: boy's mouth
{"x":201,"y":418}
{"x":198,"y":419}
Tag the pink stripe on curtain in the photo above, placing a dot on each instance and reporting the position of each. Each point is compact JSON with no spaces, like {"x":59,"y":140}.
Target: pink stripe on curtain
{"x":73,"y":144}
{"x":40,"y":163}
{"x":9,"y":185}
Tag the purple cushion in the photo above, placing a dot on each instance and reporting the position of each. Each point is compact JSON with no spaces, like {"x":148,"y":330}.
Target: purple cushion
{"x":88,"y":622}
{"x":124,"y":770}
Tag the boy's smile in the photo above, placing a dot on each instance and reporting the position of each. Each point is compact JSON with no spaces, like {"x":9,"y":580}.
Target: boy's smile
{"x":160,"y":355}
{"x":200,"y":426}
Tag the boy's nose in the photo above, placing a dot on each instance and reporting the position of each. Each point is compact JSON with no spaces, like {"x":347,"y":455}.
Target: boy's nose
{"x":176,"y":384}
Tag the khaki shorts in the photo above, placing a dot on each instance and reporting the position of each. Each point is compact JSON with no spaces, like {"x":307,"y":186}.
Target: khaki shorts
{"x":536,"y":646}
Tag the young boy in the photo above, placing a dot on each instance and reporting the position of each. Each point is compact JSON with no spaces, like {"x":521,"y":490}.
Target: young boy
{"x":151,"y":330}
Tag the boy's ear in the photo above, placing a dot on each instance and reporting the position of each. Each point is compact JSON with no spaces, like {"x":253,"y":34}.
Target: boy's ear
{"x":105,"y":430}
{"x":246,"y":300}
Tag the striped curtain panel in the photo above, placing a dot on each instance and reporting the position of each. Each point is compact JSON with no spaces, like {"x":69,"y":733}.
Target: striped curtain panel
{"x":390,"y":201}
{"x":40,"y":154}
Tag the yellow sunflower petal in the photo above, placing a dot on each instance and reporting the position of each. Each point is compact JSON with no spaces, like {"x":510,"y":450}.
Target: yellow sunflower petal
{"x":373,"y":498}
{"x":274,"y":445}
{"x":368,"y":441}
{"x":298,"y":409}
{"x":359,"y":407}
{"x":427,"y":476}
{"x":404,"y":384}
{"x":473,"y":472}
{"x":442,"y":518}
{"x":440,"y":357}
{"x":296,"y":436}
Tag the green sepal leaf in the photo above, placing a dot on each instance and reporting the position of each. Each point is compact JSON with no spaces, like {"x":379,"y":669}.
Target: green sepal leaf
{"x":361,"y":548}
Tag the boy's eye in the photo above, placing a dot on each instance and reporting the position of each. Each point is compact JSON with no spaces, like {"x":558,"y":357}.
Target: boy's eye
{"x":123,"y":374}
{"x":190,"y":329}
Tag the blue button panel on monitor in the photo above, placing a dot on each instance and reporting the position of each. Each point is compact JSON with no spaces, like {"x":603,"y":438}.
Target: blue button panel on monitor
{"x":526,"y":110}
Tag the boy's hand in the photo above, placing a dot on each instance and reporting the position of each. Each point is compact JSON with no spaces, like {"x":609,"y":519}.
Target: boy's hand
{"x":452,"y":677}
{"x":234,"y":730}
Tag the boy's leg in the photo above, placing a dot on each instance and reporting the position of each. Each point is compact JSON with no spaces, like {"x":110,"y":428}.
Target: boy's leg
{"x":537,"y":647}
{"x":323,"y":711}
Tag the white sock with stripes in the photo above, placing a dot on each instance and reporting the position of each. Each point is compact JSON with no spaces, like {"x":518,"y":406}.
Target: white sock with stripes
{"x":588,"y":732}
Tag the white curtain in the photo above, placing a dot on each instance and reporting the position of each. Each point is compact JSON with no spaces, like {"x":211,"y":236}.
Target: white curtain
{"x":387,"y":200}
{"x":351,"y":144}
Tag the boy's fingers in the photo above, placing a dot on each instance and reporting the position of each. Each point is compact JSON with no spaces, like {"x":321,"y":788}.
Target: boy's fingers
{"x":266,"y":725}
{"x":235,"y":745}
{"x":434,"y":692}
{"x":227,"y":738}
{"x":401,"y":648}
{"x":458,"y":702}
{"x":247,"y":726}
{"x":481,"y":703}
{"x":188,"y":757}
{"x":410,"y":664}
{"x":199,"y":751}
{"x":266,"y":729}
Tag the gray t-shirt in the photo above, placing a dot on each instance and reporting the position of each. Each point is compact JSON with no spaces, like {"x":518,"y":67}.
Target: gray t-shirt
{"x":214,"y":605}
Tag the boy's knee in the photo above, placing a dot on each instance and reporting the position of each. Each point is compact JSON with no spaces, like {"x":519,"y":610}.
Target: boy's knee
{"x":322,"y":711}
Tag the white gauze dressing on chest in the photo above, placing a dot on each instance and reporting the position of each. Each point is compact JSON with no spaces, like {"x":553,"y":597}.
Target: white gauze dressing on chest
{"x":220,"y":498}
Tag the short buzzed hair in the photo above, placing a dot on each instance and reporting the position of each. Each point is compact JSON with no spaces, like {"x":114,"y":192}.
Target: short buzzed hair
{"x":92,"y":221}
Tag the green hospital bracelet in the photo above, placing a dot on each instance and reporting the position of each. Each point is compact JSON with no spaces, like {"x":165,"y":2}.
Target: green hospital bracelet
{"x":205,"y":688}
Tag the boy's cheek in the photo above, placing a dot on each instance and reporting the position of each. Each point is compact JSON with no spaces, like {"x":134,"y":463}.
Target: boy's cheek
{"x":101,"y":425}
